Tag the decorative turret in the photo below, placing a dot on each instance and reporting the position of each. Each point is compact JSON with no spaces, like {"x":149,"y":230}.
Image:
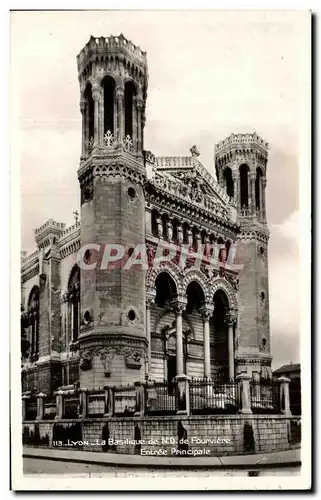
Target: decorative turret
{"x":113,"y":80}
{"x":49,"y":233}
{"x":240,"y":164}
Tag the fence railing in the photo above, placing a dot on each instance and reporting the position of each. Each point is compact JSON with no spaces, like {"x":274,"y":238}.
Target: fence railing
{"x":71,"y":406}
{"x":161,"y":399}
{"x":207,"y":396}
{"x":184,"y":395}
{"x":96,"y":403}
{"x":265,"y":396}
{"x":124,"y":401}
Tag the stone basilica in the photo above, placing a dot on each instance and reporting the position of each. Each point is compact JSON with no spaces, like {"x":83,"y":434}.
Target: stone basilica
{"x":114,"y":325}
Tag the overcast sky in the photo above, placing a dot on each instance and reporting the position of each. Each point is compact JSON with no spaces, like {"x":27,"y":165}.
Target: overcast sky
{"x":210,"y":74}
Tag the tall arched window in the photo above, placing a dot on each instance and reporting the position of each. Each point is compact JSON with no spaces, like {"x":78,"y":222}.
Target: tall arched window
{"x":258,"y":184}
{"x":33,"y":316}
{"x":165,"y":290}
{"x":130,"y":92}
{"x":109,"y":103}
{"x":195,"y":297}
{"x":90,"y":110}
{"x":74,"y":302}
{"x":229,"y":185}
{"x":221,"y":332}
{"x":244,"y":186}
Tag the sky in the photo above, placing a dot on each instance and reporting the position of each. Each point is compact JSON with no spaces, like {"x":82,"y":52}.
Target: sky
{"x":210,"y":74}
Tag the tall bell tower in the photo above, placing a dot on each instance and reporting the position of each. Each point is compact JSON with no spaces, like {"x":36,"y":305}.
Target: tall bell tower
{"x":113,"y":81}
{"x":241,"y":167}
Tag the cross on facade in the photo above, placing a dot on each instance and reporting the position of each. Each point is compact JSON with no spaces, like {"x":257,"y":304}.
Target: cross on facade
{"x":76,"y":214}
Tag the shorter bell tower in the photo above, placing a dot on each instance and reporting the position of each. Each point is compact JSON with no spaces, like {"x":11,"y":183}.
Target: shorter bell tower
{"x":241,"y":168}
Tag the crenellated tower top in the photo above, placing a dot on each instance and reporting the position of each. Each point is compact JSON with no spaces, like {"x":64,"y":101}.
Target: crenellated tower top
{"x":113,"y":78}
{"x":241,"y":165}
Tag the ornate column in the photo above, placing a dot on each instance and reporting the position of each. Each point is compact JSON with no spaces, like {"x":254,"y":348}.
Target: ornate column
{"x":101,"y":118}
{"x":139,"y":106}
{"x":206,"y":313}
{"x":96,"y":98}
{"x":231,"y":319}
{"x":179,"y":306}
{"x":263,"y":180}
{"x":150,"y":297}
{"x":238,"y":183}
{"x":235,"y":177}
{"x":135,"y":124}
{"x":181,"y":378}
{"x":120,"y":114}
{"x":83,"y":126}
{"x":86,"y":132}
{"x":252,"y":204}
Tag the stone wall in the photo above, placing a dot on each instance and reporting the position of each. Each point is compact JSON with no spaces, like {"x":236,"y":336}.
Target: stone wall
{"x":220,"y":435}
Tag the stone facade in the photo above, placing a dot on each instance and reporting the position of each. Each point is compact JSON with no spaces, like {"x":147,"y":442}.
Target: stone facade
{"x":205,"y":314}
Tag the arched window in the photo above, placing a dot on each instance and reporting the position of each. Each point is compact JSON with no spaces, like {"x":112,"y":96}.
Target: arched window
{"x":195,"y":297}
{"x":229,"y":185}
{"x":33,"y":316}
{"x":74,"y":302}
{"x":130,"y":92}
{"x":165,"y":290}
{"x":244,"y":186}
{"x":258,"y":184}
{"x":90,"y":110}
{"x":109,"y":103}
{"x":221,"y":331}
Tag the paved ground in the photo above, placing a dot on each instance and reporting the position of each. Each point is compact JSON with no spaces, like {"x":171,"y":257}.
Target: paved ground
{"x":44,"y":466}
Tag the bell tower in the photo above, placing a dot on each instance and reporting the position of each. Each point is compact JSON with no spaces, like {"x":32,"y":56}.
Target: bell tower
{"x":241,"y":166}
{"x":113,"y":81}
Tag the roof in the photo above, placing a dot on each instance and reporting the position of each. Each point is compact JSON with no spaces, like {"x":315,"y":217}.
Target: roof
{"x":292,"y":367}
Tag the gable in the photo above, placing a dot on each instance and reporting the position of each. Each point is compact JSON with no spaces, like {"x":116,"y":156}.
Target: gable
{"x":195,"y":179}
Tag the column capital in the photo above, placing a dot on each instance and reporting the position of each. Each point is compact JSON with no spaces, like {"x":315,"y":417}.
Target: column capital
{"x":243,"y":376}
{"x":96,"y":94}
{"x":139,"y":103}
{"x":207,"y":311}
{"x":64,"y":297}
{"x":283,"y":379}
{"x":150,"y":299}
{"x":252,"y":176}
{"x":264,"y":182}
{"x":231,"y":318}
{"x":179,"y":304}
{"x":119,"y":93}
